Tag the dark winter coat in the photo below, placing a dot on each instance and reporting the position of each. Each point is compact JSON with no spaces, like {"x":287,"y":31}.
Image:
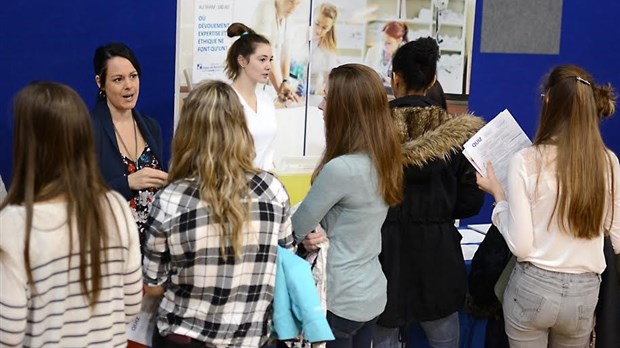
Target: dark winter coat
{"x":421,"y":253}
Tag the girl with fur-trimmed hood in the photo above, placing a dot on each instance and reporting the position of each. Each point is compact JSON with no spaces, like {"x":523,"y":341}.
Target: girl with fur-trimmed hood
{"x":421,"y":254}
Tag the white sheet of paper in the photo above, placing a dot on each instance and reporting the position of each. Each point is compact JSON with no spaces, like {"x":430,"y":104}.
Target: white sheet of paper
{"x":469,"y":250}
{"x":470,"y":236}
{"x":141,"y":328}
{"x":481,"y":228}
{"x":496,"y":142}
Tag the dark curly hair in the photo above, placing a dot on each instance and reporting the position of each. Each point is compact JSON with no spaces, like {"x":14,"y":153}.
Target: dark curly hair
{"x":416,"y":63}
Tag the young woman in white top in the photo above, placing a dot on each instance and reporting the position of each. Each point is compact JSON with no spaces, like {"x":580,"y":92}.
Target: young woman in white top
{"x":70,"y":273}
{"x":248,"y":63}
{"x":561,"y":200}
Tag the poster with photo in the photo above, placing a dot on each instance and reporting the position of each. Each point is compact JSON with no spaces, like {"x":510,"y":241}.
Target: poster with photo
{"x":311,"y":37}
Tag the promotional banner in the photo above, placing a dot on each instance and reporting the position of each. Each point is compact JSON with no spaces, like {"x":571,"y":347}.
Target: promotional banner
{"x":212,"y":18}
{"x":308,"y":38}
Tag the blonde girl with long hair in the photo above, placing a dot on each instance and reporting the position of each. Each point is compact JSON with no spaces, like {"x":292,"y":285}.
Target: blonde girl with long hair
{"x":358,"y":177}
{"x":70,"y":270}
{"x":323,"y":53}
{"x":214,"y":230}
{"x":561,"y":200}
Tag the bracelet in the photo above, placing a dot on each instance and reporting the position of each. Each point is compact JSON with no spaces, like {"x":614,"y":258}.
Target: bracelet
{"x":284,"y":80}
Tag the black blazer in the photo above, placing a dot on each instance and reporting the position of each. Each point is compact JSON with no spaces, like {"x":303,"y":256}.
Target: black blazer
{"x":111,"y":165}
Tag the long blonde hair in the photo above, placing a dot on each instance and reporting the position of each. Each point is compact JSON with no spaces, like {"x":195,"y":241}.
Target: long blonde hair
{"x":358,"y":119}
{"x":213,"y":144}
{"x":54,"y":157}
{"x":570,"y":119}
{"x":328,"y":41}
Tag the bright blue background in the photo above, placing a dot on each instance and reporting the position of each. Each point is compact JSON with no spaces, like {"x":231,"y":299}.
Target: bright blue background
{"x":590,"y":38}
{"x":55,"y":40}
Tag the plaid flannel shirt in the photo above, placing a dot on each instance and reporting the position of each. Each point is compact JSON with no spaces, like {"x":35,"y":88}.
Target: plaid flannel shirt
{"x":223,"y":302}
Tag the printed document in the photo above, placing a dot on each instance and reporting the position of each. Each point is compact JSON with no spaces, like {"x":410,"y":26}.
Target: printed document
{"x":496,"y":142}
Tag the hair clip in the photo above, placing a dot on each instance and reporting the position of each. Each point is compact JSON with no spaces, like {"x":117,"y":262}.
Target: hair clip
{"x":583,"y":80}
{"x":244,"y":33}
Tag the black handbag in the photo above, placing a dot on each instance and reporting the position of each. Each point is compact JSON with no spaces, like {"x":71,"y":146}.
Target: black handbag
{"x":487,"y":265}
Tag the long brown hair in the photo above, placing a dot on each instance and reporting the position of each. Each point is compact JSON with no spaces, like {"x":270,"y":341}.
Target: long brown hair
{"x":358,"y":119}
{"x":54,"y":157}
{"x":213,"y":144}
{"x":570,"y":119}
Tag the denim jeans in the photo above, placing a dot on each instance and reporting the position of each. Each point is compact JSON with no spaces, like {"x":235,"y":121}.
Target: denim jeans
{"x":544,"y":308}
{"x":386,"y":337}
{"x":349,"y":333}
{"x":444,"y":332}
{"x":440,"y":333}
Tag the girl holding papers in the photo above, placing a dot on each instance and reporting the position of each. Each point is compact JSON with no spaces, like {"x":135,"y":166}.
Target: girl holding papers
{"x":562,"y":198}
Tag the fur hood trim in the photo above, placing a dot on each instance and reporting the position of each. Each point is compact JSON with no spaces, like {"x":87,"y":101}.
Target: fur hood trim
{"x":430,"y":133}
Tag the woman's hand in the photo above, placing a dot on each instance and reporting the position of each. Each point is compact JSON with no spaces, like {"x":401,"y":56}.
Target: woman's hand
{"x":490,"y":184}
{"x":146,"y":178}
{"x":152,"y":290}
{"x":287,"y":94}
{"x":312,"y":239}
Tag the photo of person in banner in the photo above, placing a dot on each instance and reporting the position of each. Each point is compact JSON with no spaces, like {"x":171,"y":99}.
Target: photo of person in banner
{"x":379,"y":56}
{"x":273,"y":22}
{"x":323,"y":52}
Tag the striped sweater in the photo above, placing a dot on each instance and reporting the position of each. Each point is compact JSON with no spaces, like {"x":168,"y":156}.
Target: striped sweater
{"x":55,"y":313}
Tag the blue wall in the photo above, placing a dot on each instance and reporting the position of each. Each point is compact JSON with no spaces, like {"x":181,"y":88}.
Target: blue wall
{"x":590,"y":38}
{"x":55,"y":40}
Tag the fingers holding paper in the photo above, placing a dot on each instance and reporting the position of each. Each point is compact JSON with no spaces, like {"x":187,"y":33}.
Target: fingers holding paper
{"x":490,"y":183}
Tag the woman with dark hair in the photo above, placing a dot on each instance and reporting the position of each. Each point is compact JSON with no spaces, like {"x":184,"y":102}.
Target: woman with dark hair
{"x":358,"y":177}
{"x":421,"y":253}
{"x":128,"y":143}
{"x":437,"y":94}
{"x":70,"y":272}
{"x":248,"y":63}
{"x":562,"y":199}
{"x":214,"y":231}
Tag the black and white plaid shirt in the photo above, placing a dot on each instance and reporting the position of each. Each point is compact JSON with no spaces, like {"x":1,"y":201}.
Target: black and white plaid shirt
{"x":223,"y":302}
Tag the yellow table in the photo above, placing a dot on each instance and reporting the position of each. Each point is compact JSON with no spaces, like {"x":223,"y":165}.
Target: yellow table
{"x":297,"y":185}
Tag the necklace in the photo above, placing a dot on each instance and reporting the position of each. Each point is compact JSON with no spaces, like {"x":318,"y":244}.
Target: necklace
{"x":135,"y":140}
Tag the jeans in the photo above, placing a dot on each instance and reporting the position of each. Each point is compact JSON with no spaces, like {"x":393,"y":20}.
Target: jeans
{"x":386,"y":337}
{"x":349,"y":333}
{"x":544,"y":308}
{"x":440,"y":333}
{"x":444,"y":332}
